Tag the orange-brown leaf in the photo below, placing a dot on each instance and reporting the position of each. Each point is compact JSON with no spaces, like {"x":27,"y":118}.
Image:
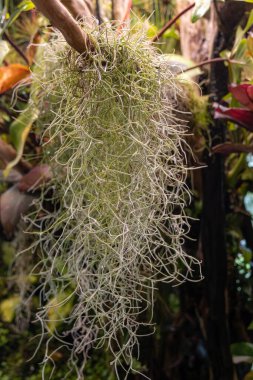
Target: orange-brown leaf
{"x":11,"y":75}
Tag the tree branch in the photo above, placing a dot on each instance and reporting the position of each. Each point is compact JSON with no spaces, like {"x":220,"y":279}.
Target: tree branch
{"x":78,"y":8}
{"x":18,"y":50}
{"x":171,"y":22}
{"x":210,"y":61}
{"x":62,"y":19}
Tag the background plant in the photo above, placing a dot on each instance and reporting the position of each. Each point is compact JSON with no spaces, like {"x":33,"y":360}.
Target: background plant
{"x":182,"y":347}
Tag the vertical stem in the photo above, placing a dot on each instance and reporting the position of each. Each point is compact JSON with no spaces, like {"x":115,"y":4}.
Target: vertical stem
{"x":214,"y":213}
{"x":16,"y":47}
{"x":214,"y":245}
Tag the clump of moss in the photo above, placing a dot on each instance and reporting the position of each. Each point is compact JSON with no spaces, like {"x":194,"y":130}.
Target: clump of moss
{"x":118,"y":224}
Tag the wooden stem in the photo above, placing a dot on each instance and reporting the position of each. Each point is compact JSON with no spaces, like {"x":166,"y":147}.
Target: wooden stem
{"x":18,"y":50}
{"x":78,"y":8}
{"x":210,"y":61}
{"x":62,"y":19}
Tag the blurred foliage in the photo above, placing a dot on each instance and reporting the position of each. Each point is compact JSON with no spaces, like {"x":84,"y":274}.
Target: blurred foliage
{"x":177,"y":350}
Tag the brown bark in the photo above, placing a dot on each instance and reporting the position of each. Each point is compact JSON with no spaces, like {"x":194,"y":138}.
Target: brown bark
{"x":62,"y":19}
{"x":79,"y":8}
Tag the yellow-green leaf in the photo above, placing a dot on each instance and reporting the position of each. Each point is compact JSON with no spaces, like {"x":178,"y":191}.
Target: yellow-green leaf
{"x":58,"y":308}
{"x":19,"y":131}
{"x":26,"y":5}
{"x":8,"y":307}
{"x":250,"y":44}
{"x":171,"y":33}
{"x":152,"y":30}
{"x":249,"y":21}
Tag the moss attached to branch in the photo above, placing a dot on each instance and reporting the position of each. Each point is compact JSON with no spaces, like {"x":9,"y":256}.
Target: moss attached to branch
{"x":119,"y":190}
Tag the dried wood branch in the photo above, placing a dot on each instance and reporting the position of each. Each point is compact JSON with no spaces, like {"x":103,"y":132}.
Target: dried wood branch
{"x":62,"y":19}
{"x":79,"y":8}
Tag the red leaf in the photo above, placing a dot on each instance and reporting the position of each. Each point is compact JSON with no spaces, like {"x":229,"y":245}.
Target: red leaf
{"x":250,"y":92}
{"x":243,"y":93}
{"x":11,"y":75}
{"x":13,"y":204}
{"x":240,"y":116}
{"x":228,"y":148}
{"x":36,"y":177}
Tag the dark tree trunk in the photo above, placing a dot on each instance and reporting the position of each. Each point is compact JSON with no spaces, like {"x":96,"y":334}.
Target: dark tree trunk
{"x":213,"y":219}
{"x":213,"y":236}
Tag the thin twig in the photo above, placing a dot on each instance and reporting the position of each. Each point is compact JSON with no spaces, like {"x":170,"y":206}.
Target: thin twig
{"x":171,"y":22}
{"x":210,"y":61}
{"x":18,"y":50}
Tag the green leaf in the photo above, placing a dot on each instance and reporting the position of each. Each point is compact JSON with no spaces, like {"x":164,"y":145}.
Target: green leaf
{"x":201,"y":7}
{"x":26,"y":5}
{"x":152,"y":31}
{"x":250,"y":44}
{"x":4,"y":50}
{"x":242,"y":349}
{"x":19,"y":131}
{"x":241,"y":49}
{"x":250,"y":327}
{"x":250,"y":20}
{"x":171,"y":33}
{"x":242,"y":352}
{"x":247,"y":255}
{"x":241,"y":32}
